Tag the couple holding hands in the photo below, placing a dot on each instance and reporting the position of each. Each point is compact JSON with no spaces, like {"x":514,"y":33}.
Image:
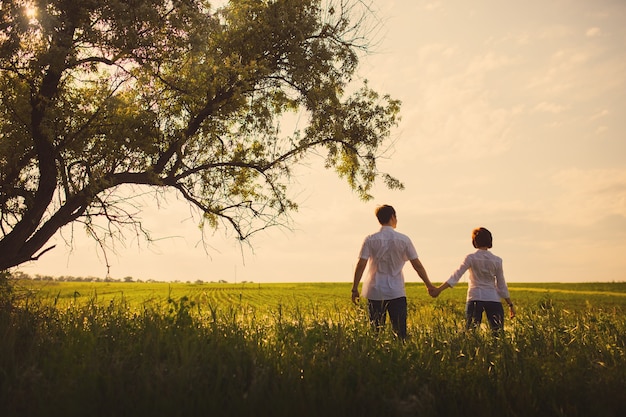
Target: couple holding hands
{"x":387,"y":250}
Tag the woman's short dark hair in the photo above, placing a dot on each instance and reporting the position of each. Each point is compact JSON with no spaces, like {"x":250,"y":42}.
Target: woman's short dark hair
{"x":384,"y":213}
{"x":481,"y":238}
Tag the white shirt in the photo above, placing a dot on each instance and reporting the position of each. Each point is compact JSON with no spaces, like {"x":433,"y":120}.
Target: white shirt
{"x":486,"y":277}
{"x":387,"y":252}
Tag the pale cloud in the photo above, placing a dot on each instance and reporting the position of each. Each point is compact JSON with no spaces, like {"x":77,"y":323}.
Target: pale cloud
{"x":600,"y":114}
{"x":490,"y":61}
{"x":593,"y":32}
{"x":538,"y":37}
{"x":561,"y":74}
{"x":434,"y":6}
{"x":555,"y":32}
{"x":475,"y":204}
{"x":587,"y":196}
{"x":523,"y":38}
{"x":460,"y":123}
{"x":429,"y":60}
{"x":570,"y":59}
{"x":545,"y":107}
{"x":601,"y":129}
{"x":455,"y":113}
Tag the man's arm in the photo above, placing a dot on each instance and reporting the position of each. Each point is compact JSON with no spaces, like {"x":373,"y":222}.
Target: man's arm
{"x":358,"y":273}
{"x":421,"y":271}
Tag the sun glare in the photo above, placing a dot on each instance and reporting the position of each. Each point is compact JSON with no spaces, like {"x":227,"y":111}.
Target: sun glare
{"x":30,"y":10}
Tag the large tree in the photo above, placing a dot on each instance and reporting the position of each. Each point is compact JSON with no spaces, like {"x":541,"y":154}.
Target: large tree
{"x":97,"y":95}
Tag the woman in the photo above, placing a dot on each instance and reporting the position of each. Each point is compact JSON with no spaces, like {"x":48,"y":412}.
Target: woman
{"x":486,"y":284}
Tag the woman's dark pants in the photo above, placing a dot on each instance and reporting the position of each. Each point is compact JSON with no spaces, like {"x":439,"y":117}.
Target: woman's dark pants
{"x":493,"y":310}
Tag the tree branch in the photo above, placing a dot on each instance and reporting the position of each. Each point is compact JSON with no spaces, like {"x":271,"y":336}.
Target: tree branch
{"x":36,"y":257}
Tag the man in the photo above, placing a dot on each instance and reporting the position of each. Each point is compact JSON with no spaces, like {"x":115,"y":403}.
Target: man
{"x":387,"y":251}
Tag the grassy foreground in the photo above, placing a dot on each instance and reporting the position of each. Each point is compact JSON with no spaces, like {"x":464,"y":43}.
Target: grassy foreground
{"x":135,"y":349}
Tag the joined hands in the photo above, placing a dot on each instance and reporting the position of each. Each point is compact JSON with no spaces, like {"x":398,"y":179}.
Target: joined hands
{"x":435,"y":291}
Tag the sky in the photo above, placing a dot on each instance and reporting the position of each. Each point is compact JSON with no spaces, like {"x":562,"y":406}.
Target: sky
{"x":513,"y":118}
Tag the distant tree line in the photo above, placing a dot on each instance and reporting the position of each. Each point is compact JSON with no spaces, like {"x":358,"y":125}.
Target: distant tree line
{"x":19,"y":275}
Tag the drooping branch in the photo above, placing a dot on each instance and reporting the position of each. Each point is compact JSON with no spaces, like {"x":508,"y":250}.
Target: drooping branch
{"x":36,"y":257}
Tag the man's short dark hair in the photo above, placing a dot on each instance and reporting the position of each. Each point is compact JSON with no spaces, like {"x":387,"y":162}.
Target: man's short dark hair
{"x":384,"y":213}
{"x":481,"y":238}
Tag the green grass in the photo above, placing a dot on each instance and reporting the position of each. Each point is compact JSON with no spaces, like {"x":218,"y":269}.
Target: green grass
{"x":122,"y":349}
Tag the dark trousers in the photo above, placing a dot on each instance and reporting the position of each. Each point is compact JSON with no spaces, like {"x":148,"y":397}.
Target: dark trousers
{"x":493,"y":310}
{"x":397,"y":310}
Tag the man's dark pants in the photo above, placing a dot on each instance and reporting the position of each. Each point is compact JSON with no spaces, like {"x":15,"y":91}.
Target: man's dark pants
{"x":397,"y":310}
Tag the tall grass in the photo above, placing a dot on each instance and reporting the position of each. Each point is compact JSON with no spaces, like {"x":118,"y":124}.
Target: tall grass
{"x":188,"y":358}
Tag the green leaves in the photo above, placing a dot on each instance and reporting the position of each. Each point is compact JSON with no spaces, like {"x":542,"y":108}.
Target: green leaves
{"x":174,"y":94}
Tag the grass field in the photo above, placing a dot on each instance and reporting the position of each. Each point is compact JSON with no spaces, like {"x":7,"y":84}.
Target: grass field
{"x":117,"y":349}
{"x":574,"y":295}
